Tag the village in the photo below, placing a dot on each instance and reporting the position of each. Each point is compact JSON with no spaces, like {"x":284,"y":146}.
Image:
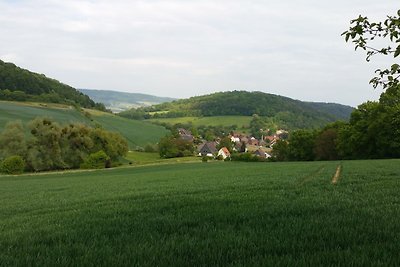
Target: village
{"x":222,"y":148}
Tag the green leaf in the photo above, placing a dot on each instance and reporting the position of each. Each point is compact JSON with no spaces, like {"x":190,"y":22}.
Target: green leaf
{"x":347,"y":36}
{"x":397,"y":51}
{"x":398,"y":12}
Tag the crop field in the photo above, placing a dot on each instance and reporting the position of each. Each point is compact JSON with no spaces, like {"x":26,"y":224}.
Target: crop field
{"x":205,"y":214}
{"x":137,"y":133}
{"x":11,"y":111}
{"x":242,"y":122}
{"x":144,"y":158}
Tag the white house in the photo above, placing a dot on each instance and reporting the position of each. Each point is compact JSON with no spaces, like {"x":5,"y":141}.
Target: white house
{"x":224,"y":152}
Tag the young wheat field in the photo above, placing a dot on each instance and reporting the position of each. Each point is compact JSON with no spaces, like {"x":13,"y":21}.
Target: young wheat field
{"x":205,"y":214}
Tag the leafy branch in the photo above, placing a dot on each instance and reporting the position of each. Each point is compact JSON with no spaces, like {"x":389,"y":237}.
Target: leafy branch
{"x":362,"y":32}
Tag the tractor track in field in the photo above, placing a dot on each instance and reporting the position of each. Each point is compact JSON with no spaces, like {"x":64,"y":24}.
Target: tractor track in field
{"x":336,"y":176}
{"x":310,"y":176}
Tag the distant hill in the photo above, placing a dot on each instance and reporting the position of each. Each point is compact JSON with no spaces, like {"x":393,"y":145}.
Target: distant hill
{"x":281,"y":110}
{"x":121,"y":101}
{"x":17,"y":84}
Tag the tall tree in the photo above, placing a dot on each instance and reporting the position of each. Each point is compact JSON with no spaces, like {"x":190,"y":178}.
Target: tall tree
{"x":12,"y":140}
{"x":256,"y":126}
{"x":301,"y":145}
{"x":325,"y":145}
{"x":226,"y":142}
{"x":76,"y":144}
{"x":44,"y":150}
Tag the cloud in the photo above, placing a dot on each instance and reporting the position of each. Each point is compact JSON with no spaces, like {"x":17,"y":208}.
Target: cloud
{"x":182,"y":48}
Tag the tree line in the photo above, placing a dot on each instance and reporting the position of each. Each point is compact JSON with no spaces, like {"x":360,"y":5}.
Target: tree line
{"x":51,"y":146}
{"x":373,"y":132}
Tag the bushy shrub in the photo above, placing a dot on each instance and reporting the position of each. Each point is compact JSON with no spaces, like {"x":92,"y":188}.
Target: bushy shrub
{"x":150,"y":148}
{"x":204,"y":159}
{"x":220,"y":157}
{"x":247,"y":157}
{"x":97,"y":160}
{"x":12,"y":165}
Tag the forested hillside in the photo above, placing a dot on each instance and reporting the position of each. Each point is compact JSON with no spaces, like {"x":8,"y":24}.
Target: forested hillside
{"x":18,"y":84}
{"x":288,"y":111}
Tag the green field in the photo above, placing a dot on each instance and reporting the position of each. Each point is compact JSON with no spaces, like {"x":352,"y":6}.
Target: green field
{"x":242,"y":122}
{"x":11,"y":111}
{"x":144,"y":158}
{"x":204,"y":214}
{"x":136,"y":132}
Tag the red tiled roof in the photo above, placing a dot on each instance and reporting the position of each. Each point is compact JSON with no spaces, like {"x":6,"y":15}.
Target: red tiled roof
{"x":226,"y":151}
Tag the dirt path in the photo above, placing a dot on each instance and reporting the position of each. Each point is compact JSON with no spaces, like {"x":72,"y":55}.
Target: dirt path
{"x":336,"y":177}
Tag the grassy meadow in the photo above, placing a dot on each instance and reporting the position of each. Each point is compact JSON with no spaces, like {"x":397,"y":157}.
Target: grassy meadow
{"x":204,"y":214}
{"x":137,"y":133}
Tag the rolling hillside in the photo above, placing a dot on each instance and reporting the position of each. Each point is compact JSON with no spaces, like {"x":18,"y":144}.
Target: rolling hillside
{"x":137,"y":133}
{"x":121,"y":101}
{"x":282,"y":111}
{"x":17,"y":84}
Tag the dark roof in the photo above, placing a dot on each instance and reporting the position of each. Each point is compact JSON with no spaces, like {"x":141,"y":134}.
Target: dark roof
{"x":260,"y":153}
{"x":209,"y":147}
{"x":183,"y":131}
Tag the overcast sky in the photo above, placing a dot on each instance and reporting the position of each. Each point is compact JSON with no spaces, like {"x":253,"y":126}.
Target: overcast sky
{"x":183,"y":48}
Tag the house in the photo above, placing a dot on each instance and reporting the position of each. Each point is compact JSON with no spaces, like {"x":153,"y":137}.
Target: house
{"x":185,"y":135}
{"x":253,"y":142}
{"x":207,"y":149}
{"x":252,"y":148}
{"x":240,"y":147}
{"x":282,"y":134}
{"x":244,"y":139}
{"x":262,"y":143}
{"x":182,"y":131}
{"x":272,"y":140}
{"x":262,"y":154}
{"x":224,"y":152}
{"x":235,"y":137}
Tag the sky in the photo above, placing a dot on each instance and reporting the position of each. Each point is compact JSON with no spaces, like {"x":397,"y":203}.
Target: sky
{"x":184,"y":48}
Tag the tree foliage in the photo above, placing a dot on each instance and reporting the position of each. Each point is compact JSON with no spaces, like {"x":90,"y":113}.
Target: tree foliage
{"x":12,"y":140}
{"x":374,"y":127}
{"x":301,"y":145}
{"x":280,"y":110}
{"x":172,"y":147}
{"x":50,"y":146}
{"x":18,"y":84}
{"x":97,"y":160}
{"x":12,"y":165}
{"x":363,"y":33}
{"x":226,"y":142}
{"x":372,"y":132}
